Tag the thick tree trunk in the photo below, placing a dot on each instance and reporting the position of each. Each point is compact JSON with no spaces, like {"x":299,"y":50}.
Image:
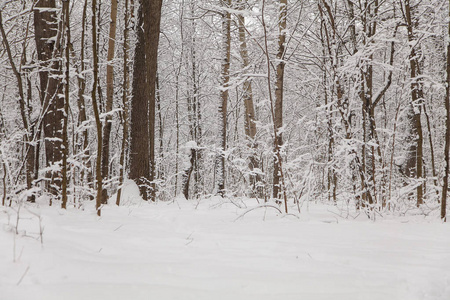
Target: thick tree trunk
{"x":47,"y":40}
{"x":142,"y":148}
{"x":139,"y":134}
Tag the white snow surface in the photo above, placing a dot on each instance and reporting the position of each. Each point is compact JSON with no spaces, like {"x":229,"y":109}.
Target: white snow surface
{"x":203,"y":250}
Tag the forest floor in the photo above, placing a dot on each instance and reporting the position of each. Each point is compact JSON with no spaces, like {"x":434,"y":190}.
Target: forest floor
{"x":210,"y":250}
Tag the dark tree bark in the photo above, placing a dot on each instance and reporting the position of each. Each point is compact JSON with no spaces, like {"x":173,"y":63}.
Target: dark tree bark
{"x":109,"y":96}
{"x":98,"y":169}
{"x":413,"y":167}
{"x":65,"y":148}
{"x":49,"y":53}
{"x":152,"y":24}
{"x":139,"y":134}
{"x":142,"y":144}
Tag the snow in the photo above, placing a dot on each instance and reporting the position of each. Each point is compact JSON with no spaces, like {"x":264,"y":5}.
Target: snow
{"x":208,"y":250}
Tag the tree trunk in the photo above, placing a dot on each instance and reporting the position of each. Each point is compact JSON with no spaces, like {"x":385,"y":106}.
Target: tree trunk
{"x":65,"y":139}
{"x":413,"y":167}
{"x":276,"y":146}
{"x":109,"y":95}
{"x":447,"y":131}
{"x":47,"y":37}
{"x":82,"y":118}
{"x":139,"y":134}
{"x":224,"y":85}
{"x":250,"y":117}
{"x":161,"y":130}
{"x":188,"y":171}
{"x":142,"y":153}
{"x":125,"y":86}
{"x":278,"y":120}
{"x":23,"y":106}
{"x":98,"y":169}
{"x":342,"y":102}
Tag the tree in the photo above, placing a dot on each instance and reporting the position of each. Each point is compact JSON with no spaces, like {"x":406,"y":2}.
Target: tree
{"x":65,"y":141}
{"x":224,"y":86}
{"x":109,"y":95}
{"x":279,"y":85}
{"x":126,"y":87}
{"x":250,"y":116}
{"x":98,"y":123}
{"x":48,"y":43}
{"x":447,"y":130}
{"x":142,"y":144}
{"x":24,"y":111}
{"x":413,"y":167}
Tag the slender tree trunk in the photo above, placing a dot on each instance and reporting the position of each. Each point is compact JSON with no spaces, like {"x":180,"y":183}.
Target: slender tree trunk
{"x":414,"y":162}
{"x":341,"y":101}
{"x":278,"y":120}
{"x":82,"y":118}
{"x":224,"y":85}
{"x":250,"y":117}
{"x":98,"y":169}
{"x":188,"y":172}
{"x":447,"y":131}
{"x":196,"y":107}
{"x":31,"y":146}
{"x":177,"y":97}
{"x":4,"y":184}
{"x":430,"y":141}
{"x":22,"y":103}
{"x":125,"y":86}
{"x":276,"y":146}
{"x":65,"y":148}
{"x":161,"y":130}
{"x":109,"y":96}
{"x":331,"y":172}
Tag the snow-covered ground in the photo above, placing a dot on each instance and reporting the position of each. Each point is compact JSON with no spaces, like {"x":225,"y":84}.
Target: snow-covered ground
{"x":191,"y":250}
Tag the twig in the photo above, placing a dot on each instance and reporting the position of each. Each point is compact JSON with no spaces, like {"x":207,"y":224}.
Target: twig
{"x":260,"y":206}
{"x":23,"y":276}
{"x":118,"y":227}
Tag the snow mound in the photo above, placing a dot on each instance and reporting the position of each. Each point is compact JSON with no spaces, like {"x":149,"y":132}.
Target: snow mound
{"x":130,"y":194}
